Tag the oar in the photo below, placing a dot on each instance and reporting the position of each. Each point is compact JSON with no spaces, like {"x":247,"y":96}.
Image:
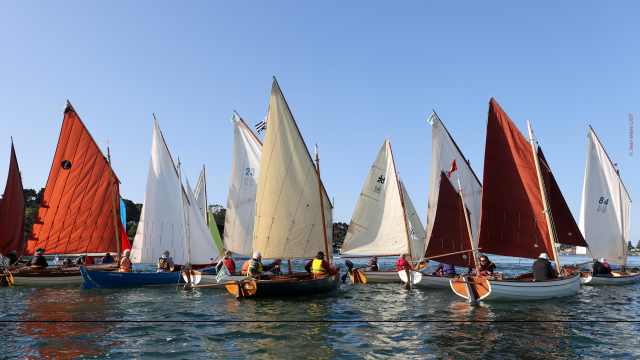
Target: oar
{"x":242,"y":289}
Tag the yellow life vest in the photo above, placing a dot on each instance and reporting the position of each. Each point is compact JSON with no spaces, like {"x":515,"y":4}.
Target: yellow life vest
{"x":317,"y":268}
{"x":251,"y":262}
{"x":162,"y":264}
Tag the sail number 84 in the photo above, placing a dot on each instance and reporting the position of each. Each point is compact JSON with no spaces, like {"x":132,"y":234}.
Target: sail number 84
{"x":603,"y":205}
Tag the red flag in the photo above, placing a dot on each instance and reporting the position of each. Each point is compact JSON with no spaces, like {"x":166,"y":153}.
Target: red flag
{"x":453,"y":168}
{"x":124,"y":238}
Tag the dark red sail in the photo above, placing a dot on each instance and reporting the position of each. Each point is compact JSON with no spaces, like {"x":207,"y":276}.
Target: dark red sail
{"x":511,"y":219}
{"x":450,"y":232}
{"x":567,"y":229}
{"x":12,"y":210}
{"x":76,"y":212}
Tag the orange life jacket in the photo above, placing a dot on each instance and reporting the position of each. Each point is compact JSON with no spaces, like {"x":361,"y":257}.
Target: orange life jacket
{"x":245,"y":267}
{"x":230,"y":264}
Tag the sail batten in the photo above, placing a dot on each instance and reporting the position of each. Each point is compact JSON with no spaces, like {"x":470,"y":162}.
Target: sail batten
{"x":76,"y":212}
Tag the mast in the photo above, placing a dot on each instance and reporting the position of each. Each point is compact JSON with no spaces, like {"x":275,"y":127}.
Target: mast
{"x":324,"y":225}
{"x":248,"y":128}
{"x":543,"y":194}
{"x":113,"y":199}
{"x":404,"y":213}
{"x":466,"y":217}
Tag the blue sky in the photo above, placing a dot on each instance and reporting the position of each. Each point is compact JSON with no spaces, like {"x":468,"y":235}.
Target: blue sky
{"x":353,"y":73}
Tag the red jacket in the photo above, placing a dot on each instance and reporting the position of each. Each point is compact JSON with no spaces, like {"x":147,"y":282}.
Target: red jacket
{"x":325,"y":265}
{"x":401,"y":263}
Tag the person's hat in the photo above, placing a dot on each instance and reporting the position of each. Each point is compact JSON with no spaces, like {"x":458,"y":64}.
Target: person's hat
{"x":13,"y":252}
{"x":403,"y":255}
{"x":544,"y":256}
{"x":39,"y":251}
{"x":375,"y":257}
{"x":603,"y":260}
{"x":165,"y":253}
{"x":320,"y":253}
{"x":257,"y":255}
{"x":127,"y":251}
{"x":228,"y":252}
{"x":107,"y":254}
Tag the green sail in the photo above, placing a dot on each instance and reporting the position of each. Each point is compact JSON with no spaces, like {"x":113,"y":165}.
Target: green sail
{"x":214,"y":231}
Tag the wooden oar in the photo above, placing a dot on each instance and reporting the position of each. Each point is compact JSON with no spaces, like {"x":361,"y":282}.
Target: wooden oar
{"x":358,"y":277}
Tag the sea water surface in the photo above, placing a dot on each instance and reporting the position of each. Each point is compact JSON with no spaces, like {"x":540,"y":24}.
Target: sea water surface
{"x":372,"y":327}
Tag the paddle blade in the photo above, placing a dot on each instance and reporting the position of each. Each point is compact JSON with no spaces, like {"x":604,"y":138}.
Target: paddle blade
{"x":247,"y":288}
{"x":415,"y":276}
{"x":363,"y":277}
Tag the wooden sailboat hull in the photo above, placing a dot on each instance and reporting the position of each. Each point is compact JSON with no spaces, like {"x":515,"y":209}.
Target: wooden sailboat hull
{"x":387,"y":276}
{"x":100,"y":279}
{"x":520,"y":289}
{"x":296,"y":285}
{"x":616,"y":279}
{"x":434,"y":281}
{"x":50,"y":277}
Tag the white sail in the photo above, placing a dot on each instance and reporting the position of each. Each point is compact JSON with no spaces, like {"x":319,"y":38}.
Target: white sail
{"x":203,"y":247}
{"x":413,"y":221}
{"x":288,"y":217}
{"x":241,"y":203}
{"x":161,"y":225}
{"x":606,"y":207}
{"x":443,"y":151}
{"x":200,"y":195}
{"x":377,"y":226}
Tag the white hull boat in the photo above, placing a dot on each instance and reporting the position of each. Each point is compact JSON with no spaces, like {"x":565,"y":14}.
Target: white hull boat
{"x":617,"y":279}
{"x":388,"y":276}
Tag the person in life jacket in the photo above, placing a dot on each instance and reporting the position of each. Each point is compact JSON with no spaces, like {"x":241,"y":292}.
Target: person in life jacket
{"x":245,"y":267}
{"x":319,"y":266}
{"x":256,"y":269}
{"x":228,"y":262}
{"x":108,"y":259}
{"x":486,"y":266}
{"x":38,"y":261}
{"x":602,"y":268}
{"x":372,"y":265}
{"x":445,"y":270}
{"x":88,"y":259}
{"x":125,"y":263}
{"x":402,"y":263}
{"x":165,"y":263}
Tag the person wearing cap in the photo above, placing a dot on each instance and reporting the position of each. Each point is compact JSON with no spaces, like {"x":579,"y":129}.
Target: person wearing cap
{"x":602,"y":268}
{"x":38,"y":261}
{"x":256,"y":269}
{"x":13,"y":258}
{"x":402,"y":263}
{"x":319,"y":266}
{"x":542,"y":269}
{"x":125,"y":263}
{"x":108,"y":259}
{"x":228,"y":262}
{"x":372,"y":265}
{"x":165,"y":263}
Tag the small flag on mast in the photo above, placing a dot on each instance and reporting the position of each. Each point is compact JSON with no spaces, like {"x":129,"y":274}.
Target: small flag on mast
{"x":262,"y":125}
{"x":235,"y":117}
{"x":453,"y":168}
{"x":224,"y":272}
{"x":433,"y":118}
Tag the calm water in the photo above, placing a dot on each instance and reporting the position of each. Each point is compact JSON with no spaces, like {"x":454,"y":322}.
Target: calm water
{"x":316,"y":340}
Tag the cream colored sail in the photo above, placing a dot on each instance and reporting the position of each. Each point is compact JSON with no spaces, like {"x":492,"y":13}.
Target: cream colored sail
{"x":241,"y":204}
{"x":200,"y":195}
{"x":606,"y":207}
{"x":377,"y":226}
{"x":443,"y":151}
{"x":203,"y":247}
{"x":413,"y":223}
{"x":288,"y":217}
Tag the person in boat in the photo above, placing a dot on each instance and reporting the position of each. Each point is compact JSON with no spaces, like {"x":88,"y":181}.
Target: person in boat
{"x":108,"y":259}
{"x":13,"y":258}
{"x":81,"y":260}
{"x":125,"y":263}
{"x":275,"y":268}
{"x":255,"y":269}
{"x":319,"y":266}
{"x":445,"y":270}
{"x":165,"y":263}
{"x":88,"y":259}
{"x":245,"y":267}
{"x":486,"y":266}
{"x":602,"y":268}
{"x":227,"y":261}
{"x":542,"y":269}
{"x":372,"y":265}
{"x":402,"y":263}
{"x":38,"y":261}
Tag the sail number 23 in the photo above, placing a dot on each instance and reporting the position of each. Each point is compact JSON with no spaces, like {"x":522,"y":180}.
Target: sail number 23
{"x":602,"y":205}
{"x":249,"y":180}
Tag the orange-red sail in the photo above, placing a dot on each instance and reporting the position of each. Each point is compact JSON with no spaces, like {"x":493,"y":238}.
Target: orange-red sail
{"x":512,"y":222}
{"x":567,"y":229}
{"x":12,"y":210}
{"x":75,"y":215}
{"x":450,"y":232}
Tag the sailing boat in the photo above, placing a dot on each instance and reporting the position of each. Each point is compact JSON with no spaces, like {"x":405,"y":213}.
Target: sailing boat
{"x":292,"y":210}
{"x":451,"y":236}
{"x":517,"y":216}
{"x":384,"y":221}
{"x":76,"y":215}
{"x":605,"y":215}
{"x":170,"y":220}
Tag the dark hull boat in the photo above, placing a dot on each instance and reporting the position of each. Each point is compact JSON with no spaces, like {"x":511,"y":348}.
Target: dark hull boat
{"x":103,"y":279}
{"x":292,"y":285}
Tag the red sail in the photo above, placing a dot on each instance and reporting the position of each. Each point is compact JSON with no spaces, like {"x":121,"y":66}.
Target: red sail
{"x":450,"y":232}
{"x":511,"y":219}
{"x":12,"y":210}
{"x":567,"y":231}
{"x":76,"y":212}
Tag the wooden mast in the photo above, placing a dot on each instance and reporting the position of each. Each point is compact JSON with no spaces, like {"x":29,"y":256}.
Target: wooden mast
{"x":466,"y":217}
{"x":248,"y":128}
{"x":324,"y":225}
{"x":113,"y":200}
{"x":543,"y":194}
{"x":404,"y":213}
